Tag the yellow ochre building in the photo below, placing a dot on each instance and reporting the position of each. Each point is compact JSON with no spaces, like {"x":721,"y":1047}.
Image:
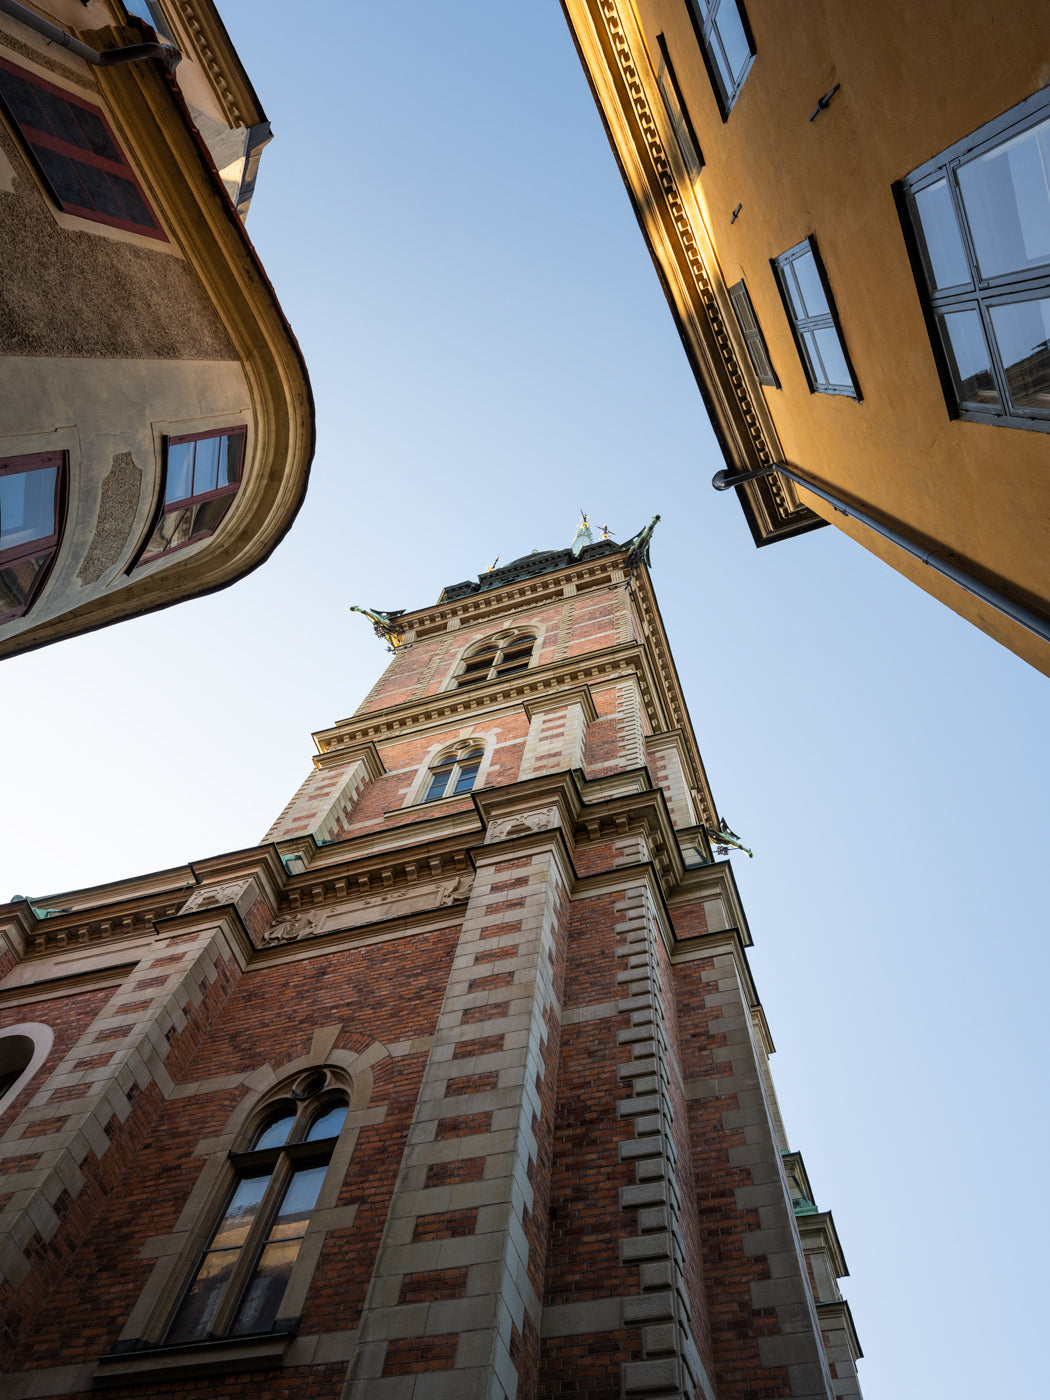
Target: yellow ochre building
{"x":848,"y":205}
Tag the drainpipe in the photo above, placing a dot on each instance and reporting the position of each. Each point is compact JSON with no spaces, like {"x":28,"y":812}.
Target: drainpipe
{"x":105,"y":58}
{"x":1033,"y":622}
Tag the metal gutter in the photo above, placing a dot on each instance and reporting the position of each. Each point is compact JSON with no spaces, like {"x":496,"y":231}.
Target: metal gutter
{"x":1036,"y":623}
{"x":104,"y":58}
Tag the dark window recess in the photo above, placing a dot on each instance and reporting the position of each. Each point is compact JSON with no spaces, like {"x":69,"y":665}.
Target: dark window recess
{"x":677,"y":112}
{"x":75,"y":153}
{"x":202,"y":472}
{"x":238,"y":1285}
{"x":453,"y":774}
{"x":753,"y":339}
{"x":978,"y":224}
{"x":492,"y":661}
{"x":810,"y":309}
{"x":32,"y":501}
{"x":725,"y":37}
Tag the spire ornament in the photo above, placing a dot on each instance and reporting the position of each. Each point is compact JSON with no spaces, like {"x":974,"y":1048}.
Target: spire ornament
{"x":582,"y":536}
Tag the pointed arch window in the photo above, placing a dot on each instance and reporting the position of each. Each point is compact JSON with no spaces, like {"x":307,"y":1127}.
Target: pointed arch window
{"x":496,"y":658}
{"x":453,"y":774}
{"x":237,"y":1287}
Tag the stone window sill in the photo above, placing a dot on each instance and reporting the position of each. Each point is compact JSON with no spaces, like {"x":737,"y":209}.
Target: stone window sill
{"x":152,"y":1364}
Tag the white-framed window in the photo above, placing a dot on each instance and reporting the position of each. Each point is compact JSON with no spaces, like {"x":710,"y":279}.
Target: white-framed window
{"x":454,"y":772}
{"x":977,"y":218}
{"x":495,"y":658}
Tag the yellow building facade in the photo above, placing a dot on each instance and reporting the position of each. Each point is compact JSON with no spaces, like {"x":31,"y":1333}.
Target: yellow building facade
{"x":849,"y":209}
{"x":156,"y":422}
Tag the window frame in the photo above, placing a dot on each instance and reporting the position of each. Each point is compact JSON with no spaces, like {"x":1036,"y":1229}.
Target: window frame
{"x":801,"y":325}
{"x":455,"y":759}
{"x":753,"y":337}
{"x":49,"y":544}
{"x":242,"y":1164}
{"x":499,"y":669}
{"x":982,"y":293}
{"x":706,"y":25}
{"x":193,"y":501}
{"x":678,"y":113}
{"x":35,"y":139}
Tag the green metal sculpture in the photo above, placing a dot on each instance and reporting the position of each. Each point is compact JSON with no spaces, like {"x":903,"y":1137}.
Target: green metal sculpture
{"x":384,"y":624}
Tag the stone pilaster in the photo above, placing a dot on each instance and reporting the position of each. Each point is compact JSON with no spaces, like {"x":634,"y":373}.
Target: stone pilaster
{"x":453,"y":1306}
{"x":667,"y":762}
{"x":746,"y":1122}
{"x":326,"y":798}
{"x":75,"y":1119}
{"x":557,"y":732}
{"x":671,"y":1365}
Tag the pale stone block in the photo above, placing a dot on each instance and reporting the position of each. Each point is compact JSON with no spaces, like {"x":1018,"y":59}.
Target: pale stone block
{"x":651,"y":1246}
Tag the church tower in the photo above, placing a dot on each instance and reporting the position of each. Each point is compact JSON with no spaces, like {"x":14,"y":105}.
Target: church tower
{"x":456,"y":1085}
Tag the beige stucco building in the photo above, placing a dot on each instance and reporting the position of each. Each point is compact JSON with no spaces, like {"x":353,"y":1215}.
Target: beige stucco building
{"x":156,"y":424}
{"x":847,"y":204}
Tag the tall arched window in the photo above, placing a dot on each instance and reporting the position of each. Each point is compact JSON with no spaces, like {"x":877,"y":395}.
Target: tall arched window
{"x":495,"y":658}
{"x":238,"y":1285}
{"x":454,"y":773}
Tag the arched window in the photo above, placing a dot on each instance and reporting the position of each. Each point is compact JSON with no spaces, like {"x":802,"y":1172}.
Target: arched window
{"x":496,"y":658}
{"x":238,"y":1285}
{"x":454,"y":773}
{"x":23,"y":1049}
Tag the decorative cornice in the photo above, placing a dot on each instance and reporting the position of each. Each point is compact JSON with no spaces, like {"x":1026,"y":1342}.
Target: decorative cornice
{"x":605,"y":667}
{"x":682,"y":225}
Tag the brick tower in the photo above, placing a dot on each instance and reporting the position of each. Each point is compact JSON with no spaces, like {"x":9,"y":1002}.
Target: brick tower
{"x":455,"y":1086}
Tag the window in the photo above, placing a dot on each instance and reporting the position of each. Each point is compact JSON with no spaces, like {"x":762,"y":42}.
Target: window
{"x":722,"y":29}
{"x":202,"y":472}
{"x":978,"y":219}
{"x":32,"y":497}
{"x":453,"y":774}
{"x":237,"y":1287}
{"x":753,"y":339}
{"x":677,"y":112}
{"x":495,"y":659}
{"x":75,"y":153}
{"x":23,"y":1049}
{"x":811,"y":311}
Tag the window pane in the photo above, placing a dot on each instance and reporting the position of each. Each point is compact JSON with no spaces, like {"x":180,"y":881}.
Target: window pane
{"x":835,"y":368}
{"x":18,"y":580}
{"x":180,"y":472}
{"x":275,"y":1133}
{"x":466,"y":778}
{"x":62,"y":174}
{"x":1022,"y":332}
{"x":968,"y":356}
{"x":262,"y":1297}
{"x":1007,"y":197}
{"x":328,"y":1123}
{"x":301,"y":1195}
{"x":731,"y":31}
{"x":205,"y":465}
{"x":814,"y":302}
{"x":945,"y":253}
{"x":21,"y":100}
{"x":437,"y":785}
{"x":240,"y":1213}
{"x":230,"y":459}
{"x":92,"y":135}
{"x":27,"y":506}
{"x":193,"y":1319}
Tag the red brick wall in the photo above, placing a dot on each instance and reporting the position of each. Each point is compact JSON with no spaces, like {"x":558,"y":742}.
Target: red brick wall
{"x":68,"y":1017}
{"x":728,"y":1271}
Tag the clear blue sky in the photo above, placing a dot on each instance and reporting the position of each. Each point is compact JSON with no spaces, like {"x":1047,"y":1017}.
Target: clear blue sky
{"x":490,"y":351}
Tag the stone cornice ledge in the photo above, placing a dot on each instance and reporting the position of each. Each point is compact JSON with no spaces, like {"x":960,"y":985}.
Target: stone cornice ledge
{"x":527,"y":686}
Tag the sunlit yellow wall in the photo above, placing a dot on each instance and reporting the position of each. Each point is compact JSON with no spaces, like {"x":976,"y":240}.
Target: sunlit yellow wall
{"x":915,"y":78}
